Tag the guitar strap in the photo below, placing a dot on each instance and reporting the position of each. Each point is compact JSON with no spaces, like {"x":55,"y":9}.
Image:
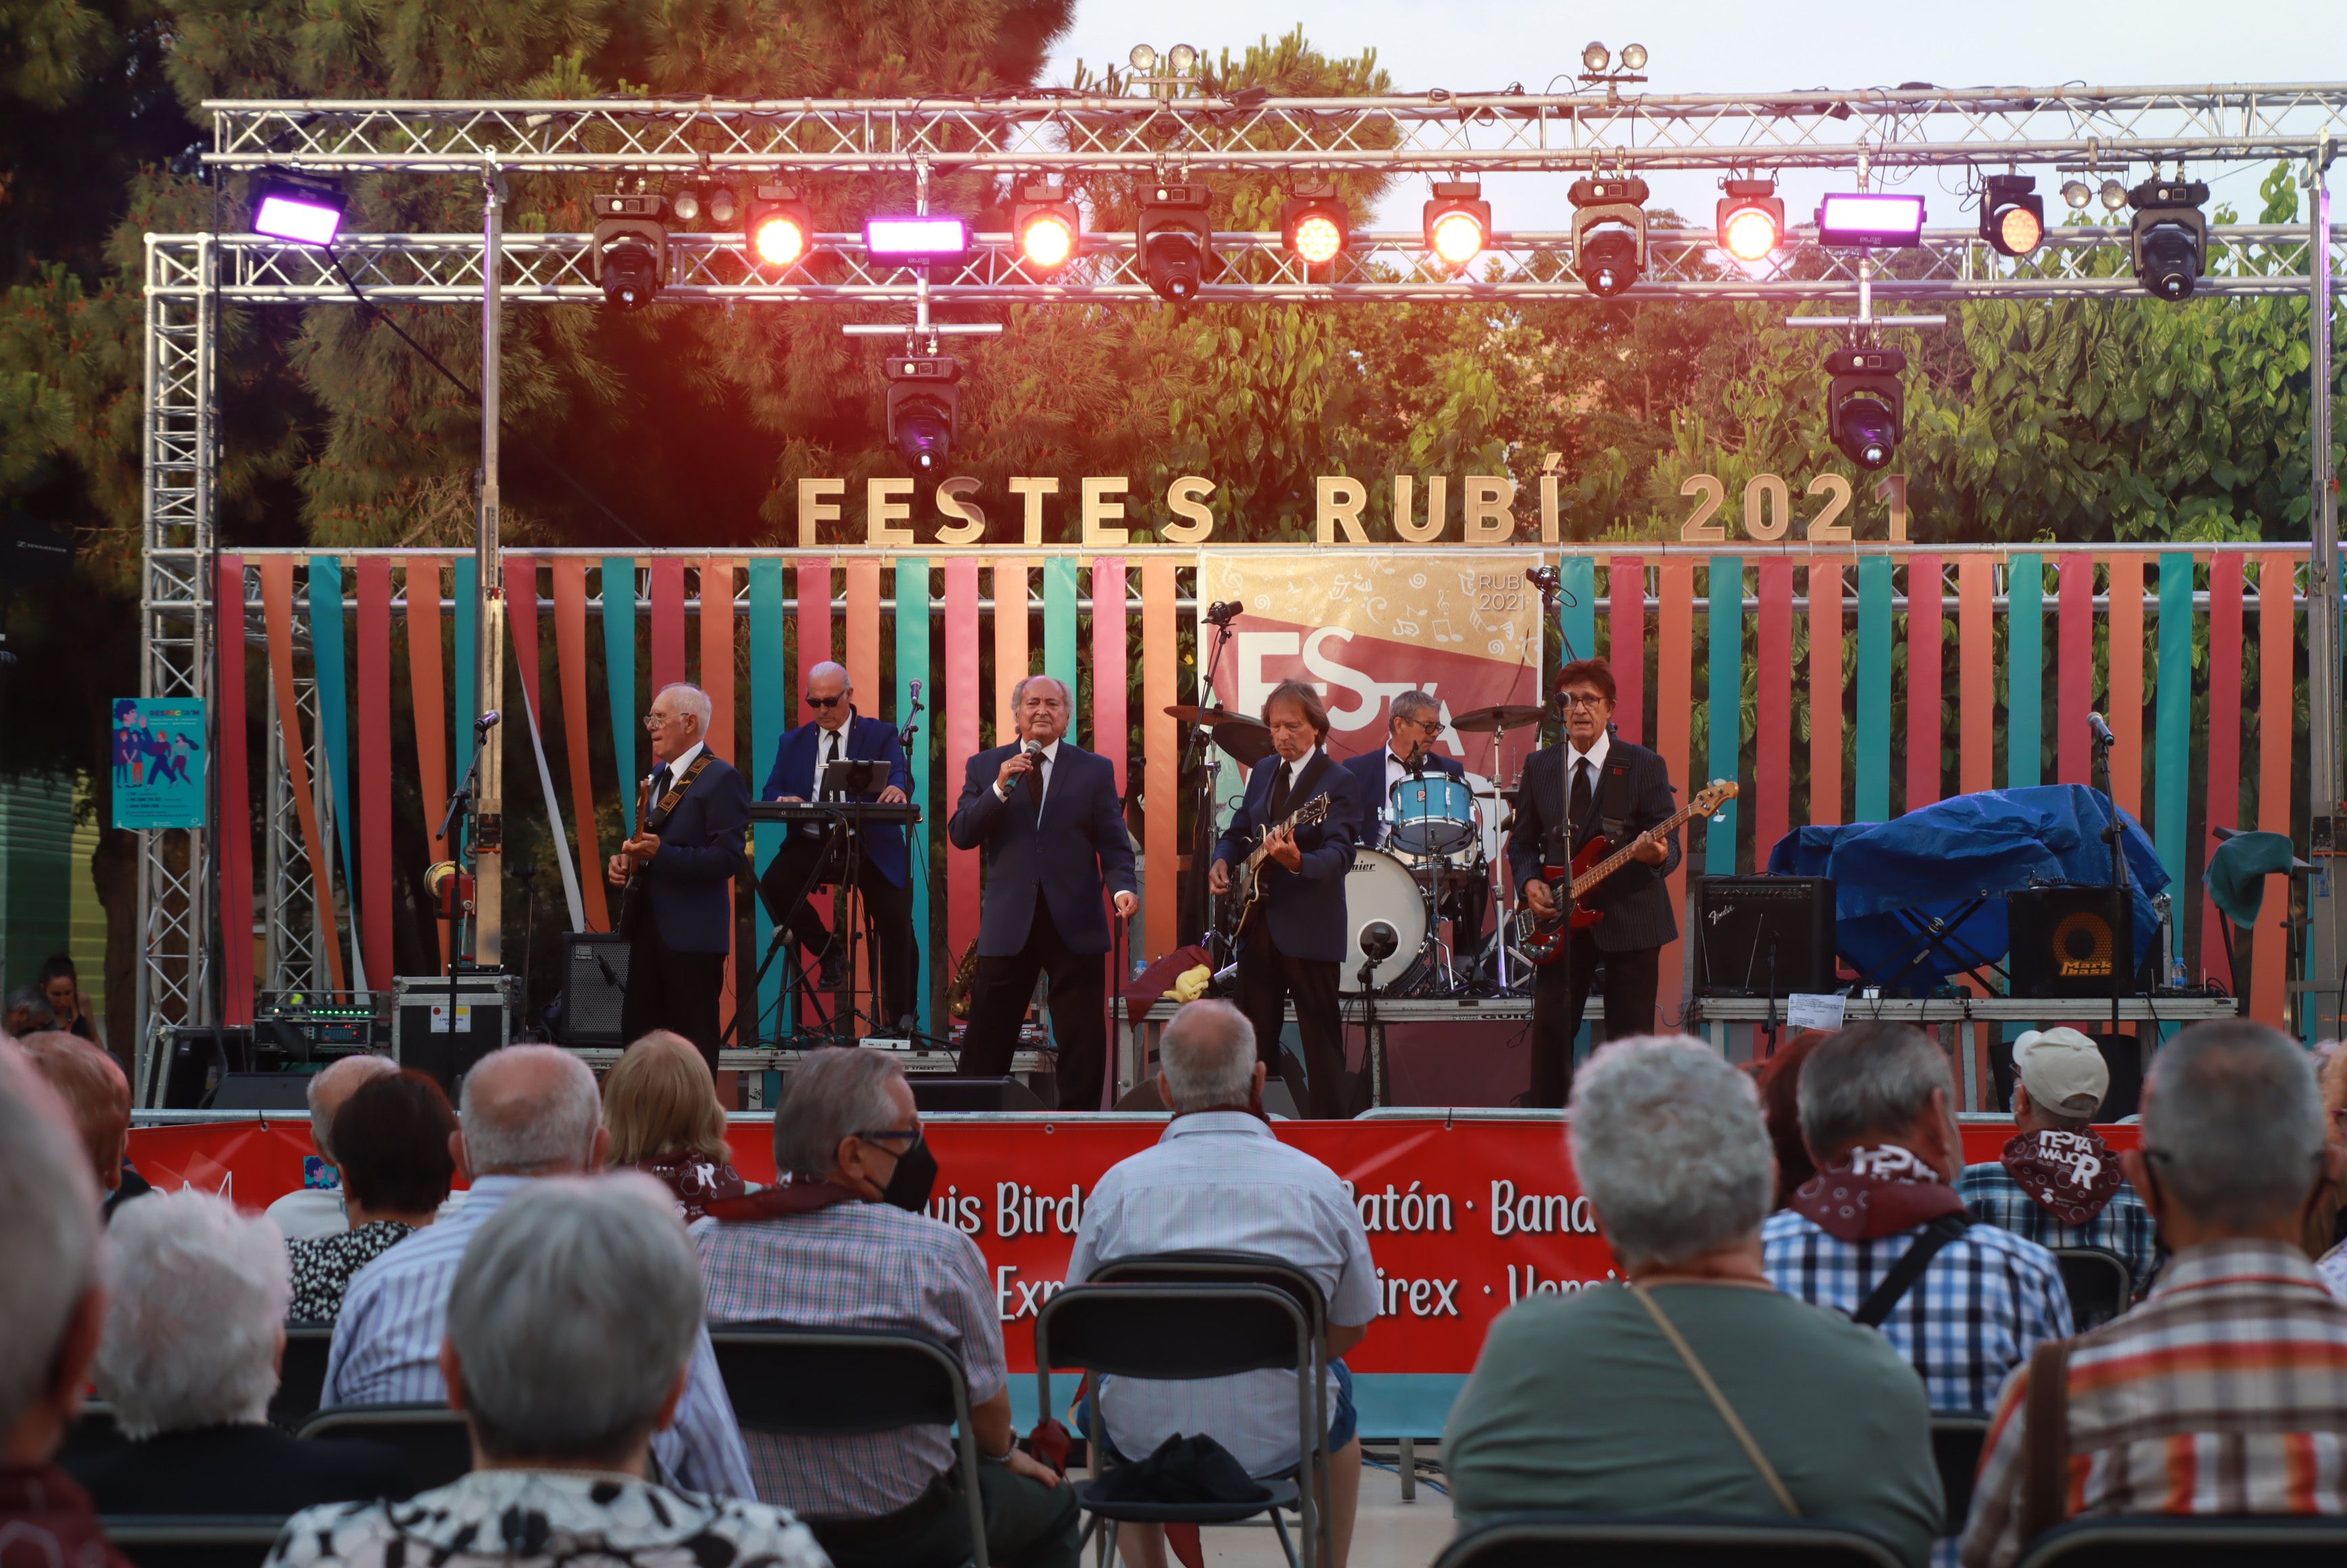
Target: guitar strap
{"x":657,"y":818}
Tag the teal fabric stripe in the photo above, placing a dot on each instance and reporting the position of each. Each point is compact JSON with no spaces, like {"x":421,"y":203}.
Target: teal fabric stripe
{"x":770,"y":699}
{"x":913,"y":664}
{"x":1871,"y":772}
{"x":1060,"y":633}
{"x":619,"y":675}
{"x":2171,"y":750}
{"x":333,"y":696}
{"x":461,"y":713}
{"x":1577,"y":611}
{"x":1726,"y":694}
{"x":2025,"y":672}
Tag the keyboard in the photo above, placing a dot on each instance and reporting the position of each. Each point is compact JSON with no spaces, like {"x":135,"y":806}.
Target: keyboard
{"x":904,"y":814}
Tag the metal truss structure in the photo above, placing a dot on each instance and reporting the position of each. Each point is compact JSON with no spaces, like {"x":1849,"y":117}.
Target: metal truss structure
{"x":1173,"y":131}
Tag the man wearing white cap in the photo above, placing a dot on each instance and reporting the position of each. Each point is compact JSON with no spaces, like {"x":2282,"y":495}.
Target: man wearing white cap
{"x":2059,"y":1184}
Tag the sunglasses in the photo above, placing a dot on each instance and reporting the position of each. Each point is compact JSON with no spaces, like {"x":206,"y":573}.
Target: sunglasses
{"x":825,"y":702}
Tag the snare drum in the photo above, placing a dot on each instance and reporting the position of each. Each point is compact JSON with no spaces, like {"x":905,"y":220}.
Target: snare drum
{"x":1431,"y":815}
{"x":1380,"y":887}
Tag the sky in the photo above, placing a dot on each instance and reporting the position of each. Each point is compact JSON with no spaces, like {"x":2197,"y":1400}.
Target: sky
{"x":1738,"y":46}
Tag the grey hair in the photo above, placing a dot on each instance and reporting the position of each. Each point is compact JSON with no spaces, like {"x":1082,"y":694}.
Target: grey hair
{"x":834,"y":1093}
{"x":831,"y":667}
{"x":337,"y":1083}
{"x":1410,"y":702}
{"x":1867,"y":1079}
{"x":2233,"y":1123}
{"x":530,"y":1129}
{"x":574,"y":1310}
{"x":50,"y":1240}
{"x":1208,"y":1055}
{"x":193,"y":1319}
{"x":692,"y":698}
{"x":1670,"y":1147}
{"x":1019,"y":693}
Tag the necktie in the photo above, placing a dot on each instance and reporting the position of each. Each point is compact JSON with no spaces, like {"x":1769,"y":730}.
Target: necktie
{"x":832,"y":743}
{"x":1581,"y":792}
{"x":1042,"y":780}
{"x":1279,"y":790}
{"x":660,"y":786}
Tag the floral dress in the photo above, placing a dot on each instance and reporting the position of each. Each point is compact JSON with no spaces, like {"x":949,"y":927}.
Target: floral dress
{"x":323,"y":1268}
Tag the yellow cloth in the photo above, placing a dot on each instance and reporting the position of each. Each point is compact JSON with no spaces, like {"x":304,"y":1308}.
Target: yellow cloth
{"x":1192,"y":984}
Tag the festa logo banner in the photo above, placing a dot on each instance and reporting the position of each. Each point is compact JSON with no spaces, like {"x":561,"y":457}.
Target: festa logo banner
{"x":159,"y":761}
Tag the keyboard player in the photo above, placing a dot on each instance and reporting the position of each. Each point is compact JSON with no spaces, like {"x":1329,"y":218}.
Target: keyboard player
{"x":815,"y":854}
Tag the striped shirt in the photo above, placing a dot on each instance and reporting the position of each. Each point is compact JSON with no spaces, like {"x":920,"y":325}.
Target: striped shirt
{"x":1221,"y":1181}
{"x":1980,"y":1308}
{"x":2123,"y":1227}
{"x":855,"y":1265}
{"x":2224,"y":1393}
{"x":386,"y":1349}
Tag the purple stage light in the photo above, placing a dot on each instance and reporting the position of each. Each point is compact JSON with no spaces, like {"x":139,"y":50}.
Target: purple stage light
{"x":916,"y":239}
{"x":1871,"y":218}
{"x":303,"y":212}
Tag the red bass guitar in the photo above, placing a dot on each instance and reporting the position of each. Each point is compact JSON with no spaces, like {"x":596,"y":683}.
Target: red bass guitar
{"x":1542,"y":940}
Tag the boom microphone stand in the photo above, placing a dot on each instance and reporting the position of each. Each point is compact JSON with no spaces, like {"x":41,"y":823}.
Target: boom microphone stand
{"x":1202,"y":747}
{"x":2121,"y":963}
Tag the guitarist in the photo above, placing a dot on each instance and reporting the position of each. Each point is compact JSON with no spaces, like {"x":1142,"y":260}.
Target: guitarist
{"x":1295,"y":945}
{"x":1594,"y":783}
{"x":679,"y":872}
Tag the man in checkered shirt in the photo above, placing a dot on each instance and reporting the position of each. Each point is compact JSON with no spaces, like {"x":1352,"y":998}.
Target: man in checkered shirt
{"x":1877,"y":1112}
{"x":2226,"y":1391}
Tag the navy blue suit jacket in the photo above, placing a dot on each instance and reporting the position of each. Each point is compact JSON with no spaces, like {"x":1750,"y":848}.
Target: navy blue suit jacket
{"x":1369,"y":770}
{"x":867,"y":741}
{"x":1306,"y":906}
{"x":1078,"y":848}
{"x":1634,"y":794}
{"x":691,"y":878}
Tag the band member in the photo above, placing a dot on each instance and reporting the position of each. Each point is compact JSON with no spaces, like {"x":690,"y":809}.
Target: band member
{"x":1594,"y":783}
{"x":679,"y":913}
{"x":1413,"y":722}
{"x":812,"y":856}
{"x":1045,"y":812}
{"x":1296,"y":946}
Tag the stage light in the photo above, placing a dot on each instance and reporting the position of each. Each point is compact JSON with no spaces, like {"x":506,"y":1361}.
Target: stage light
{"x":1175,"y":240}
{"x":1314,"y":224}
{"x":1609,"y":232}
{"x":1870,"y":218}
{"x":916,"y":239}
{"x":631,"y":249}
{"x":778,"y":226}
{"x":2077,"y":193}
{"x":1143,"y":58}
{"x":2169,"y":235}
{"x":2115,"y":196}
{"x":301,"y":210}
{"x":1866,"y":408}
{"x":1046,"y":225}
{"x":2013,"y":215}
{"x":924,"y":400}
{"x":699,"y":201}
{"x":1458,"y":223}
{"x":1634,"y":57}
{"x":1596,"y":58}
{"x":1750,"y":219}
{"x":1181,"y":59}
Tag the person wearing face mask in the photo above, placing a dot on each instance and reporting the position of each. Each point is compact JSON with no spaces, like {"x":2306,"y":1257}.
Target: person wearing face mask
{"x":844,"y":1241}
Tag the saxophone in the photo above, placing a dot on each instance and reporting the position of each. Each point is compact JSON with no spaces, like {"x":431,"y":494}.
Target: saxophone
{"x":958,"y":989}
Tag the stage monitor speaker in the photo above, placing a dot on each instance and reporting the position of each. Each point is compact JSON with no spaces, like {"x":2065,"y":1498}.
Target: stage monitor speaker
{"x":2062,"y":944}
{"x":202,"y":1057}
{"x":442,"y":1027}
{"x":1738,"y":917}
{"x":934,"y":1092}
{"x":263,"y":1092}
{"x":594,"y":988}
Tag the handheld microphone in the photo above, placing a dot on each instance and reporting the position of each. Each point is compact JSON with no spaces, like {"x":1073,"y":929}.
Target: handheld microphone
{"x":1224,"y":612}
{"x":2102,"y":731}
{"x":485,"y":723}
{"x":917,"y":694}
{"x":1033,"y":749}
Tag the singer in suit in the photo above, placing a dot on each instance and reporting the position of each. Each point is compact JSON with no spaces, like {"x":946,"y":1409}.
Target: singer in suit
{"x":1594,"y":782}
{"x":813,"y":854}
{"x":1295,"y":945}
{"x":1046,"y":813}
{"x":679,"y":914}
{"x":1413,"y":721}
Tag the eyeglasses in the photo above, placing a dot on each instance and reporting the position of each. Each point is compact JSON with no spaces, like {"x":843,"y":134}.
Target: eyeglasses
{"x":654,"y":721}
{"x":1590,"y":700}
{"x":890,"y":1133}
{"x":827,"y":701}
{"x":1432,"y":726}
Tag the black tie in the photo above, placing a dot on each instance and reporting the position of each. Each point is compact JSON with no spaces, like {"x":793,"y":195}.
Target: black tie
{"x":1279,"y":790}
{"x":832,"y":755}
{"x":660,"y":784}
{"x":1580,"y":807}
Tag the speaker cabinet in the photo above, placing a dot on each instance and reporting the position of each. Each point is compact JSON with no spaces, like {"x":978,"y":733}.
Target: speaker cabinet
{"x":263,"y":1092}
{"x":594,"y":988}
{"x":938,"y":1091}
{"x":443,"y":1029}
{"x":2064,"y":945}
{"x":1749,"y":928}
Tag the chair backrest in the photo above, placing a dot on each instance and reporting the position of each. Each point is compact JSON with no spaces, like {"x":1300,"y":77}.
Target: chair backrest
{"x":1542,"y":1541}
{"x":1957,"y":1439}
{"x":1173,"y":1331}
{"x":2097,"y":1282}
{"x":796,"y":1381}
{"x":2128,"y":1541}
{"x":302,"y":1376}
{"x":200,"y":1541}
{"x":1209,"y":1267}
{"x":433,"y":1438}
{"x":92,"y":1432}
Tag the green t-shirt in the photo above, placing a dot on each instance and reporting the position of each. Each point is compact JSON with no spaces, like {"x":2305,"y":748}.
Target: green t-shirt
{"x":1579,"y":1405}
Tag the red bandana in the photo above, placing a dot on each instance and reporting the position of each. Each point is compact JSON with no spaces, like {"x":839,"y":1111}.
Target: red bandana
{"x":781,"y":1202}
{"x":1875,"y":1191}
{"x":2073,"y":1176}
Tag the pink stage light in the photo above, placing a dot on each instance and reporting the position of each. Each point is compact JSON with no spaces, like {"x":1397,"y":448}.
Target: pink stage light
{"x":1871,"y":218}
{"x":916,"y":239}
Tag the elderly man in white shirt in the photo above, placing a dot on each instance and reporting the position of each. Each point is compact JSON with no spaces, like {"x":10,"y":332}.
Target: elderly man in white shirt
{"x":314,"y":1212}
{"x":1219,"y":1180}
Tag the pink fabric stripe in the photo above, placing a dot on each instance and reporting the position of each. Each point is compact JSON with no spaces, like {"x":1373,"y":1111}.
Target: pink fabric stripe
{"x":668,"y":621}
{"x":1625,"y":652}
{"x":1925,"y":613}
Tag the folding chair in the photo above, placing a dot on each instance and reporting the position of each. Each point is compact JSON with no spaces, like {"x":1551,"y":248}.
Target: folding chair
{"x":194,"y":1541}
{"x":302,"y":1376}
{"x":790,"y":1381}
{"x":1957,"y":1439}
{"x":433,"y":1438}
{"x":2099,"y":1284}
{"x":1545,"y":1540}
{"x":2128,"y":1541}
{"x":1176,"y":1332}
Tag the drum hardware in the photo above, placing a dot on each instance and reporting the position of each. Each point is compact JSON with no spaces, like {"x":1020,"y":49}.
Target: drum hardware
{"x":1498,"y":717}
{"x":1244,"y":739}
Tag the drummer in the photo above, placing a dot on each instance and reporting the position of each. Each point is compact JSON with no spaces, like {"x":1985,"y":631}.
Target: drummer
{"x":1413,"y":721}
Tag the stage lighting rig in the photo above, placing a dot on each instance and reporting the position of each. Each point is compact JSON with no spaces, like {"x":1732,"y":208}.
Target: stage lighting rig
{"x":1750,"y":219}
{"x":2170,"y":235}
{"x":778,"y":226}
{"x":1866,"y":408}
{"x":1597,"y":64}
{"x":1458,"y":223}
{"x":2012,"y":214}
{"x":706,"y":204}
{"x":924,"y":400}
{"x":301,"y":209}
{"x":2077,"y":193}
{"x":1870,"y":219}
{"x":1047,"y":227}
{"x":1609,"y":232}
{"x":1175,"y":240}
{"x":1315,"y":225}
{"x":631,"y":249}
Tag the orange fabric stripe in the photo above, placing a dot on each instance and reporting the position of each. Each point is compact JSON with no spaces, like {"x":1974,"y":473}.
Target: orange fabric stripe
{"x":962,"y":722}
{"x":814,"y":632}
{"x":1825,"y":691}
{"x":2277,"y":711}
{"x":1976,"y":677}
{"x":1112,"y":734}
{"x":1925,"y":612}
{"x":430,"y":700}
{"x":1161,"y":750}
{"x":1673,"y":711}
{"x":1011,"y":653}
{"x":717,"y":679}
{"x":277,"y":613}
{"x":570,"y":661}
{"x":2123,"y":692}
{"x":863,"y":658}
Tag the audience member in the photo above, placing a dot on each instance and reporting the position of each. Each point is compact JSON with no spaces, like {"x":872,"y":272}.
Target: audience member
{"x":1877,"y":1112}
{"x":2225,"y":1392}
{"x":1219,"y":1180}
{"x":1592,"y":1402}
{"x":68,"y":1008}
{"x":2058,"y":1183}
{"x":573,"y":1333}
{"x":660,"y":1105}
{"x":393,"y":1138}
{"x":2326,"y":1228}
{"x":529,"y":1111}
{"x":844,"y":1243}
{"x":28,"y":1012}
{"x":1781,"y":1108}
{"x":194,"y":1329}
{"x":52,"y":1312}
{"x":96,"y":1090}
{"x":315,"y":1209}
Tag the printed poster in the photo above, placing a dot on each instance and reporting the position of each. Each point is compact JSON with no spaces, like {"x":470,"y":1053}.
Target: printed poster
{"x":159,"y":761}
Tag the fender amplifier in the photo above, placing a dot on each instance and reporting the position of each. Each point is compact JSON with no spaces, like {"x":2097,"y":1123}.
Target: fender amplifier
{"x":2062,"y":942}
{"x":1757,"y":934}
{"x":594,"y":988}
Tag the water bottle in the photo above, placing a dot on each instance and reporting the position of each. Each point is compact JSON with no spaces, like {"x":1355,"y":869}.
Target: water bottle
{"x":2180,"y":978}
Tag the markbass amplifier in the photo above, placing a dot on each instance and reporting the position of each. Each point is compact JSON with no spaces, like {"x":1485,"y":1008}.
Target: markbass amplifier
{"x":2064,"y":943}
{"x":1759,"y":935}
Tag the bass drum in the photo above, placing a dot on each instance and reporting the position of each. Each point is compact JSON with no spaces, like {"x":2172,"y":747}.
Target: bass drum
{"x":1380,"y":887}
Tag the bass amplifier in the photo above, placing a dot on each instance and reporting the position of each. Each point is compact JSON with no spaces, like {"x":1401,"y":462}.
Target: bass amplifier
{"x":2064,"y":943}
{"x":1755,"y":935}
{"x":594,"y":988}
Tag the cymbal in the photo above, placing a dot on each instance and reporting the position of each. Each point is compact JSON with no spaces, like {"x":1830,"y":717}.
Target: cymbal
{"x":1192,"y":712}
{"x":1244,"y":741}
{"x":1501,"y":716}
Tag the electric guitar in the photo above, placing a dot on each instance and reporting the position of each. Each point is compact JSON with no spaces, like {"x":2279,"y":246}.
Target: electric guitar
{"x":632,"y":901}
{"x":1249,"y":892}
{"x":1542,"y":940}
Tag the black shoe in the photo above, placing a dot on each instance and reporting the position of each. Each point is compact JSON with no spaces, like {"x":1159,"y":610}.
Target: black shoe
{"x":833,"y":962}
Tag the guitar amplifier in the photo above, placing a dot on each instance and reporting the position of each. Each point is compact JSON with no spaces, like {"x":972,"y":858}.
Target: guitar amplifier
{"x":442,"y":1027}
{"x":1737,"y":921}
{"x":594,"y":988}
{"x":2063,"y":946}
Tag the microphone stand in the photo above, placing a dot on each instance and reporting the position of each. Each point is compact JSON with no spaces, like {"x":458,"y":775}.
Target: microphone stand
{"x":1202,"y":746}
{"x":2120,"y":962}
